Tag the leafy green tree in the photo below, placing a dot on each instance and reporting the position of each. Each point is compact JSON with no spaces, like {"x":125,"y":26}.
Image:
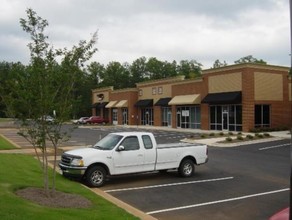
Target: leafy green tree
{"x":116,"y":75}
{"x":154,"y":68}
{"x":137,"y":71}
{"x":169,"y":69}
{"x":218,"y":64}
{"x":250,"y":59}
{"x":7,"y":73}
{"x":96,"y":72}
{"x":45,"y":88}
{"x":190,"y":69}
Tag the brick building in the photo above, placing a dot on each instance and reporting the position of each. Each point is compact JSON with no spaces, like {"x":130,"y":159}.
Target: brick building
{"x":232,"y":98}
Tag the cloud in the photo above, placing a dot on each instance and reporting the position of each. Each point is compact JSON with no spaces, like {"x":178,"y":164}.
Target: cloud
{"x":166,"y":29}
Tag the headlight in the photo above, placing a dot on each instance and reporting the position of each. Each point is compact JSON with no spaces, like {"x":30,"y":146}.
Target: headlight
{"x":77,"y":162}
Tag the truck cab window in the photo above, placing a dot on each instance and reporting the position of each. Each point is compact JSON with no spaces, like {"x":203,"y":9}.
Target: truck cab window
{"x":147,"y":142}
{"x":130,"y":143}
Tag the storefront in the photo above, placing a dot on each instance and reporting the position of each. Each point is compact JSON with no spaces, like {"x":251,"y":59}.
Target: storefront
{"x":233,"y":98}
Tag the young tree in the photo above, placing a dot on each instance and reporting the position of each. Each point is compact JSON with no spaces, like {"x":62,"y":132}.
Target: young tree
{"x":45,"y":88}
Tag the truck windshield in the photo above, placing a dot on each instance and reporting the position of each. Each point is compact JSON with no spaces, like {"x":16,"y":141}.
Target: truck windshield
{"x":108,"y":142}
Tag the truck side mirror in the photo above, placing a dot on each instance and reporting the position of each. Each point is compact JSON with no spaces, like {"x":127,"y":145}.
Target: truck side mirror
{"x":121,"y":148}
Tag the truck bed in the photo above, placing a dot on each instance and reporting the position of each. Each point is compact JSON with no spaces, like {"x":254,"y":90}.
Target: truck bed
{"x":178,"y":144}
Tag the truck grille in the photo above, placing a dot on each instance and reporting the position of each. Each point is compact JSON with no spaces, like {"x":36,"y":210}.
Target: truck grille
{"x":66,"y":159}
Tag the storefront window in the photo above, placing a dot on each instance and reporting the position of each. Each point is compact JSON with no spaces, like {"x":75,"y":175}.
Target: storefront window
{"x":125,"y":116}
{"x":166,"y":116}
{"x":262,"y":116}
{"x":189,"y":117}
{"x":226,"y":117}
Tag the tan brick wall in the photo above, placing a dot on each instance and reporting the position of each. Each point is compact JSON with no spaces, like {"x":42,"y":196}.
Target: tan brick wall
{"x":268,"y":86}
{"x":155,"y":92}
{"x":225,"y":83}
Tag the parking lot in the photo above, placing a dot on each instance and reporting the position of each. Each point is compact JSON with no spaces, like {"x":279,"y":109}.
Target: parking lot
{"x":243,"y":182}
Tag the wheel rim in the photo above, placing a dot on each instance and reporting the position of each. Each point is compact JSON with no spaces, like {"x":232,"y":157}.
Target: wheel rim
{"x":97,"y":177}
{"x":188,"y":169}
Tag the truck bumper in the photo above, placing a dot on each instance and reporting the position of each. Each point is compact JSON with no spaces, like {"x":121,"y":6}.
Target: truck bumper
{"x":73,"y":172}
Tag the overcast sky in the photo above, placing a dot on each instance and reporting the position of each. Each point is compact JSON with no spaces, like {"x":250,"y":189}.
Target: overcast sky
{"x":203,"y":30}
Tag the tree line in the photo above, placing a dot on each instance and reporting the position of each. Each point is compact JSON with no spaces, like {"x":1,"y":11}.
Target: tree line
{"x":116,"y":74}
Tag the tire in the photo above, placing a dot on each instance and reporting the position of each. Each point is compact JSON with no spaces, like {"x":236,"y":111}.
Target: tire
{"x":186,"y":168}
{"x":95,"y":176}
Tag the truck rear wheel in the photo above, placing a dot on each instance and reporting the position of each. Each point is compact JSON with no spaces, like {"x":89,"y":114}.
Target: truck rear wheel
{"x":186,"y":168}
{"x":95,"y":176}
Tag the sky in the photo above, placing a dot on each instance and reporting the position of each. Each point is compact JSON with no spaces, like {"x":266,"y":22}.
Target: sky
{"x":201,"y":30}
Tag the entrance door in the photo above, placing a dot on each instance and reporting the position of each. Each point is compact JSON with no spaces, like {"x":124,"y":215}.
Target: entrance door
{"x":225,"y":121}
{"x":115,"y":116}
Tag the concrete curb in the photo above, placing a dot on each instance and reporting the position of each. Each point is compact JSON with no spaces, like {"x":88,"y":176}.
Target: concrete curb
{"x":214,"y":143}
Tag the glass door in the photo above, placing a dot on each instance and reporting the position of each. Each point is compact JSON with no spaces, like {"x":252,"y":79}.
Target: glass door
{"x":225,"y":121}
{"x":115,"y":116}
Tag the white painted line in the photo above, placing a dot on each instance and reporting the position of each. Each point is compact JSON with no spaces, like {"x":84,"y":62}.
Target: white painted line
{"x":277,"y":146}
{"x":169,"y":184}
{"x":218,"y":201}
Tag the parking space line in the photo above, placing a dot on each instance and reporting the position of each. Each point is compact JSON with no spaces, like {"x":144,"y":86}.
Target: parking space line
{"x":218,"y":201}
{"x":169,"y":184}
{"x":277,"y":146}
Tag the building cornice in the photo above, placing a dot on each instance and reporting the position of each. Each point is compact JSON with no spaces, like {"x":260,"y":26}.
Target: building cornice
{"x":161,"y":81}
{"x":103,"y":89}
{"x":245,"y":65}
{"x":125,"y":90}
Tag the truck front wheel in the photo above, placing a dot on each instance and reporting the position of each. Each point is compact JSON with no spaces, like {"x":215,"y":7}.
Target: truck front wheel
{"x":186,"y":168}
{"x":95,"y":176}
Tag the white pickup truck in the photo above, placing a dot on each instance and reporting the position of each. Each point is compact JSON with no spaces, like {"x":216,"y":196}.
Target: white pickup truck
{"x":130,"y":152}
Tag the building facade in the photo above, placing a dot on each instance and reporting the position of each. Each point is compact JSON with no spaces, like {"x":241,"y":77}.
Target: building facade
{"x":233,"y":98}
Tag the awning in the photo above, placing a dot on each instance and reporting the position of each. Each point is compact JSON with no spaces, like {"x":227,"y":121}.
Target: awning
{"x":186,"y":99}
{"x":162,"y":102}
{"x":99,"y":104}
{"x":111,"y":104}
{"x":122,"y":104}
{"x":144,"y":103}
{"x":223,"y":98}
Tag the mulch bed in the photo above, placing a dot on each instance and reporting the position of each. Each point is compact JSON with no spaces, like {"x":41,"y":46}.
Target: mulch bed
{"x":56,"y":199}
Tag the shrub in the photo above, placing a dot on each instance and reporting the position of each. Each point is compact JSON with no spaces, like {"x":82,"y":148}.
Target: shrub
{"x":212,"y":134}
{"x":239,"y":137}
{"x":260,"y":135}
{"x":249,"y":136}
{"x":221,"y":133}
{"x":230,"y":133}
{"x":267,"y":135}
{"x":203,"y":135}
{"x":229,"y":139}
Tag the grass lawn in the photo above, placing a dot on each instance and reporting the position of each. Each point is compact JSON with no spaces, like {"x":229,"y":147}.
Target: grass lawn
{"x":5,"y":145}
{"x":20,"y":171}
